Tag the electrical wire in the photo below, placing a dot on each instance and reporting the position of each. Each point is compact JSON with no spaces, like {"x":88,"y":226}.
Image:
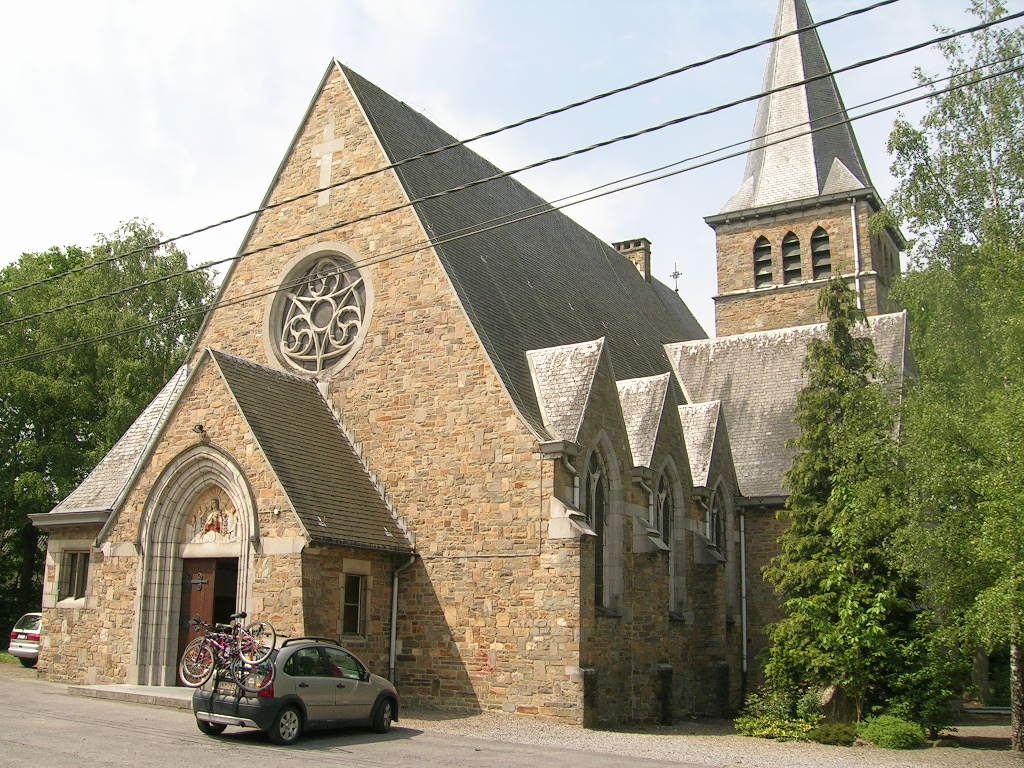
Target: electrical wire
{"x":545,"y":204}
{"x":261,"y":294}
{"x":530,"y":166}
{"x":428,"y":153}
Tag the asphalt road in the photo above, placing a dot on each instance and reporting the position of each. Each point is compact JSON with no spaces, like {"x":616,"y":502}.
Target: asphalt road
{"x":41,"y":725}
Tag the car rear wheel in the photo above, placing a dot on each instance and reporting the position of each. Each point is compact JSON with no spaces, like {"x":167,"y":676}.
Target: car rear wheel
{"x":287,"y":726}
{"x":27,"y":662}
{"x":211,"y":729}
{"x":382,"y":716}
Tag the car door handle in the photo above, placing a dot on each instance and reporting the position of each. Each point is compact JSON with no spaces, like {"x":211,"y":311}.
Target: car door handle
{"x":340,"y":685}
{"x":303,"y":685}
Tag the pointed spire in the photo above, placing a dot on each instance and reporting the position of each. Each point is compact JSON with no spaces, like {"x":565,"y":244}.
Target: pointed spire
{"x":824,"y":162}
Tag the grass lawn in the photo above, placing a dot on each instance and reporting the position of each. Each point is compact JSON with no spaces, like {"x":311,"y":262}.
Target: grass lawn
{"x":6,"y":658}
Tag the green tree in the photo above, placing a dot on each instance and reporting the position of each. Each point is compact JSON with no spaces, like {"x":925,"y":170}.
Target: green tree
{"x":960,"y":185}
{"x":60,"y":412}
{"x":847,"y":607}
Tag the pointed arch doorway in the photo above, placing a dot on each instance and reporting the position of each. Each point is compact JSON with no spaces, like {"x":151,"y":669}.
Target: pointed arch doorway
{"x":199,"y":535}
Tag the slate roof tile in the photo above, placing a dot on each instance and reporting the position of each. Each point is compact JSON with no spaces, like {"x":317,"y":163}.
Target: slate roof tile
{"x":563,"y":377}
{"x":806,"y":166}
{"x":104,"y":487}
{"x":643,"y":402}
{"x":320,"y":472}
{"x":757,"y":376}
{"x":539,"y":283}
{"x":700,"y":429}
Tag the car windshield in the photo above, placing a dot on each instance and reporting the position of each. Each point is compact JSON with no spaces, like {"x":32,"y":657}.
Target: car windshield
{"x":28,"y":623}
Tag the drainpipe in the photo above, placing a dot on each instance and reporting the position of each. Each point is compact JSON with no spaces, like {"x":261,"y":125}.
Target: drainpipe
{"x":856,"y":253}
{"x":394,"y":616}
{"x":743,"y":603}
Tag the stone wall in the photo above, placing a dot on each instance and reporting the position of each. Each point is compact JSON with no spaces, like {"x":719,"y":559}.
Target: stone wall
{"x":740,"y":308}
{"x":82,"y":639}
{"x":432,"y":422}
{"x":323,"y":571}
{"x":98,"y":639}
{"x":763,"y":608}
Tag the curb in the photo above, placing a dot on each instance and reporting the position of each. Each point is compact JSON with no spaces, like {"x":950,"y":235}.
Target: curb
{"x":115,"y":693}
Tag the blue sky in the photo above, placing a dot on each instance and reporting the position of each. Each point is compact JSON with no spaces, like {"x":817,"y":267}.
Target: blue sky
{"x":180,"y":112}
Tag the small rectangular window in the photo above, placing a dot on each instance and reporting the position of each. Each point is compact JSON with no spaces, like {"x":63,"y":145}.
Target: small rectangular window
{"x":353,"y":608}
{"x":74,"y":574}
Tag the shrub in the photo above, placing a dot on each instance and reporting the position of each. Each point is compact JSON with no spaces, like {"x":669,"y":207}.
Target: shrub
{"x":841,"y":734}
{"x":769,"y":715}
{"x":891,"y":732}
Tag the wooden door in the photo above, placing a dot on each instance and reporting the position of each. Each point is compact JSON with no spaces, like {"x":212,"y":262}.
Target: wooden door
{"x":197,"y":590}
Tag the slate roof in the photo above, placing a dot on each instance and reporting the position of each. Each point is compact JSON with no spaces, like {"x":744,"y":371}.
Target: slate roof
{"x":643,"y":402}
{"x":825,"y":162}
{"x":757,"y":376}
{"x":700,"y":428}
{"x":562,"y":378}
{"x":539,"y":283}
{"x":104,"y":488}
{"x":320,"y":472}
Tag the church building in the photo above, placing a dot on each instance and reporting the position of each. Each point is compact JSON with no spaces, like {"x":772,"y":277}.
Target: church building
{"x":488,"y":451}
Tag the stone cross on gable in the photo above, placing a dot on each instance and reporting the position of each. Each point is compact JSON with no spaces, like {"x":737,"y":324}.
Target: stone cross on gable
{"x":324,"y":153}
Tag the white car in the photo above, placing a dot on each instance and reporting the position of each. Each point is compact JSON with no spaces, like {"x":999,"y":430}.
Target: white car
{"x":25,"y":639}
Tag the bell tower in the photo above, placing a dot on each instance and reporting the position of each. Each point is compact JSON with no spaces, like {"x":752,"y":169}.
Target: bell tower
{"x":801,"y":214}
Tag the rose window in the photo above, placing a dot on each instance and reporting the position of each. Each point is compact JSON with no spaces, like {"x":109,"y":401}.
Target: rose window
{"x":322,"y":311}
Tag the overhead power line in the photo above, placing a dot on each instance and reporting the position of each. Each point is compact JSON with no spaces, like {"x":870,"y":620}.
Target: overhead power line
{"x":530,"y":166}
{"x":534,"y":214}
{"x":452,"y":145}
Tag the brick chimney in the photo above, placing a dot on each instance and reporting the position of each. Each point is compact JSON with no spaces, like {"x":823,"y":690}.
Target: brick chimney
{"x":639,"y":252}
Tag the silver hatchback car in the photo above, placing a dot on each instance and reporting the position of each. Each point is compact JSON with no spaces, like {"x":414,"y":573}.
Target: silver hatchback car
{"x":25,"y":639}
{"x":317,"y":684}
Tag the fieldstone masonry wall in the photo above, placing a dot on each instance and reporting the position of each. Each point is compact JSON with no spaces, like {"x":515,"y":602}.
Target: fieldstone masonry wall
{"x":740,"y":308}
{"x":100,"y":635}
{"x":763,"y":531}
{"x":433,"y":423}
{"x":493,"y":614}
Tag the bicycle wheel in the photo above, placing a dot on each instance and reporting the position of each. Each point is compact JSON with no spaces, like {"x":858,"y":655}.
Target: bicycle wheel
{"x":253,"y":678}
{"x":197,"y":663}
{"x":256,"y":642}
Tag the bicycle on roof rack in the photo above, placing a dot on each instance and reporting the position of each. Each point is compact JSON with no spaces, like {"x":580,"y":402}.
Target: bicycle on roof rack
{"x":242,"y":651}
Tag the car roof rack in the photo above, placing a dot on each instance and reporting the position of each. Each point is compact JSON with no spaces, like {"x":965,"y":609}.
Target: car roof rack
{"x":310,"y":639}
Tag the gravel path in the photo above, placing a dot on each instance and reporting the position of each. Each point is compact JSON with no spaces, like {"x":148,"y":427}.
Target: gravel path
{"x":715,"y":743}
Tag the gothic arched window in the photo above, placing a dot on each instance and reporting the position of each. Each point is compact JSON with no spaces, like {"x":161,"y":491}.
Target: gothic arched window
{"x":714,"y":522}
{"x":762,"y":263}
{"x":596,"y":510}
{"x":664,"y":504}
{"x":821,"y":254}
{"x":791,"y":259}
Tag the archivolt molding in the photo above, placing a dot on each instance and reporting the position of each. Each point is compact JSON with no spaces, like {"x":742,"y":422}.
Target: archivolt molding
{"x":159,"y":541}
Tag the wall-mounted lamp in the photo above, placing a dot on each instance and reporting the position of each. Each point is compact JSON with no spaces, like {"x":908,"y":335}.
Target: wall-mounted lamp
{"x":200,"y":430}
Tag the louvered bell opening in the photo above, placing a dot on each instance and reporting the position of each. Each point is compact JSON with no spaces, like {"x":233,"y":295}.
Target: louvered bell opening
{"x":821,"y":255}
{"x":762,"y":263}
{"x":790,"y":259}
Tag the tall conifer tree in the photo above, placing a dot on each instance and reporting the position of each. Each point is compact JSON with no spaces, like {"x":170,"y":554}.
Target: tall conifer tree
{"x":846,"y":606}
